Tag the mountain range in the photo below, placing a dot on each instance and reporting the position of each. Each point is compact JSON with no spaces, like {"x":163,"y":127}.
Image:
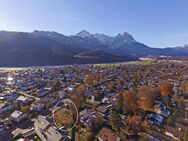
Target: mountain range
{"x":40,"y":48}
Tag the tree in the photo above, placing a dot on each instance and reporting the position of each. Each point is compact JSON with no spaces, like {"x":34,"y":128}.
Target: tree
{"x":185,"y":136}
{"x":134,"y":123}
{"x":93,"y":79}
{"x":171,"y":120}
{"x":155,"y":92}
{"x":146,"y":97}
{"x":77,"y":101}
{"x":119,"y":102}
{"x":26,"y":108}
{"x":130,"y":101}
{"x":179,"y":101}
{"x":146,"y":126}
{"x":55,"y":84}
{"x":98,"y":121}
{"x":110,"y":85}
{"x":166,"y":89}
{"x":115,"y":121}
{"x":88,"y":135}
{"x":97,"y":94}
{"x":120,"y":82}
{"x":184,"y":87}
{"x":81,"y":89}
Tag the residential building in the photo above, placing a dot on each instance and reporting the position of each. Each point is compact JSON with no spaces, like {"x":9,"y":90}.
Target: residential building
{"x":106,"y":134}
{"x":17,"y":116}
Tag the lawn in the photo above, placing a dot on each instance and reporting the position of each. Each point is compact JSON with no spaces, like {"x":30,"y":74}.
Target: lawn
{"x":64,"y":117}
{"x":109,"y":65}
{"x":10,"y":69}
{"x":149,"y":62}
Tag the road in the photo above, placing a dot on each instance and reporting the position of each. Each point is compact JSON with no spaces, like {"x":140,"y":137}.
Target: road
{"x":27,"y":95}
{"x":23,"y":93}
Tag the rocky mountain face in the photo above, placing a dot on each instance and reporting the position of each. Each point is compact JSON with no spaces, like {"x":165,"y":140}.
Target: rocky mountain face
{"x":52,"y":48}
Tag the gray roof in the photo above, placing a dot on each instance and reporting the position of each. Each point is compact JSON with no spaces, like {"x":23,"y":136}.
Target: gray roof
{"x":53,"y":134}
{"x":102,"y":109}
{"x":2,"y":105}
{"x":49,"y":131}
{"x":16,"y":114}
{"x":41,"y":122}
{"x":86,"y":111}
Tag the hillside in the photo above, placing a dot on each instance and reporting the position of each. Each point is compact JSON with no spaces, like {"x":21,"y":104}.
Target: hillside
{"x":51,"y":48}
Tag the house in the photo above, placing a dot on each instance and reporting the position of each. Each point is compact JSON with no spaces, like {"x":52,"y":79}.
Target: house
{"x":110,"y":99}
{"x":2,"y":98}
{"x":46,"y":132}
{"x":176,"y":132}
{"x":26,"y":133}
{"x":154,"y":119}
{"x":103,"y":110}
{"x":104,"y":89}
{"x":37,"y":106}
{"x":17,"y":116}
{"x":106,"y":134}
{"x":86,"y":117}
{"x":5,"y":107}
{"x":2,"y":127}
{"x":23,"y":99}
{"x":41,"y":92}
{"x":157,"y":136}
{"x":186,"y":101}
{"x":12,"y":97}
{"x":70,"y":88}
{"x":161,"y":108}
{"x":61,"y":94}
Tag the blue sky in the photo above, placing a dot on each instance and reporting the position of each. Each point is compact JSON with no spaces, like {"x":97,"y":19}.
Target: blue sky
{"x":157,"y":23}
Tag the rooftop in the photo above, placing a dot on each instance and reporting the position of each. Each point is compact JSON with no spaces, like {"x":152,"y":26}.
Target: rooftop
{"x":107,"y":135}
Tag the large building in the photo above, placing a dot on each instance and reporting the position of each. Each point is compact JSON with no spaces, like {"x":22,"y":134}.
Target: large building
{"x":46,"y":131}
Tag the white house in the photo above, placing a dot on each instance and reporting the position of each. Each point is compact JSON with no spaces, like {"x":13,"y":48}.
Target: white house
{"x":46,"y":132}
{"x":18,"y":116}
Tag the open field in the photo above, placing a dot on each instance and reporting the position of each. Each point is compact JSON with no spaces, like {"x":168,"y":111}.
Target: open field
{"x":108,"y":65}
{"x":10,"y":69}
{"x":148,"y":62}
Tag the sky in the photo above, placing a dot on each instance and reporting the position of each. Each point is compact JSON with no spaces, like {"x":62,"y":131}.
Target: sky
{"x":157,"y":23}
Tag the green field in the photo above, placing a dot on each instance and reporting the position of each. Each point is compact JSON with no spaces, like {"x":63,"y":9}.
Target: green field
{"x":149,"y":62}
{"x":108,"y":65}
{"x":10,"y":69}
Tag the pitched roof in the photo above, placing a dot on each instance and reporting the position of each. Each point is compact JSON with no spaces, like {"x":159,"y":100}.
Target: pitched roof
{"x":16,"y":114}
{"x":41,"y":122}
{"x":102,"y":109}
{"x":178,"y":131}
{"x":107,"y":134}
{"x":53,"y":134}
{"x":160,"y":136}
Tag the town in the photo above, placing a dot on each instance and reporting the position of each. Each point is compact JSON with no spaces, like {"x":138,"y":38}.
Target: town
{"x":136,"y":101}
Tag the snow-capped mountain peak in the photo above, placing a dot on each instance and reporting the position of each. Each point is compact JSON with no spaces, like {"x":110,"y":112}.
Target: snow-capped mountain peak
{"x":83,"y":34}
{"x":126,"y":37}
{"x":185,"y":46}
{"x":104,"y":38}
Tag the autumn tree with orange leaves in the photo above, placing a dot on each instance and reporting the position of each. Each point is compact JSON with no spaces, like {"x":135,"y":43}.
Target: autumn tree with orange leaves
{"x":130,"y":101}
{"x":146,"y":97}
{"x":134,"y":123}
{"x":166,"y":89}
{"x":184,"y":87}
